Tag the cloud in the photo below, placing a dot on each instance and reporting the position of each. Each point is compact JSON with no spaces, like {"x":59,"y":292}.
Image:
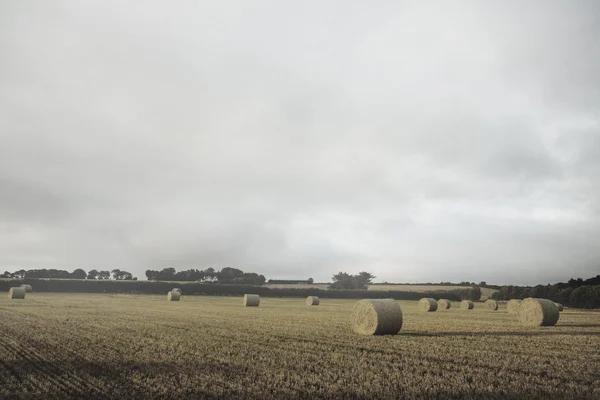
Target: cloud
{"x":419,"y":142}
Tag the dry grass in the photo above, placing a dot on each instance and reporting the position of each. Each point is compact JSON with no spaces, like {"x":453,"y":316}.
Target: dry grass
{"x":512,"y":306}
{"x":16,"y":293}
{"x":538,"y":312}
{"x":100,"y":346}
{"x":428,"y":304}
{"x":251,"y":300}
{"x":28,"y":288}
{"x":444,"y":304}
{"x":312,"y":301}
{"x":467,"y":305}
{"x":491,"y":305}
{"x":377,"y":317}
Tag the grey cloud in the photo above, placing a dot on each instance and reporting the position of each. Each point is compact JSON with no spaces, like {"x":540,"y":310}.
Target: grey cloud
{"x":420,"y":142}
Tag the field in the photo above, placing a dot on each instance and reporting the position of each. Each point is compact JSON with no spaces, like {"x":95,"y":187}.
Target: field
{"x":485,"y":292}
{"x":128,"y":346}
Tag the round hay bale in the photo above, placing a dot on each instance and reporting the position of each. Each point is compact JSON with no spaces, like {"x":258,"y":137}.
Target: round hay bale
{"x":538,"y":312}
{"x":312,"y":301}
{"x":377,"y":317}
{"x":251,"y":300}
{"x":559,"y":306}
{"x":444,"y":304}
{"x":467,"y":305}
{"x":177,"y":290}
{"x":491,"y":305}
{"x":16,"y":293}
{"x":173,"y":296}
{"x":428,"y":304}
{"x":512,"y":306}
{"x":28,"y":288}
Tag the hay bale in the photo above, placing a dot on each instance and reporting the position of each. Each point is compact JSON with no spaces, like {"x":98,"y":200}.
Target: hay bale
{"x":444,"y":304}
{"x":559,"y":306}
{"x":428,"y":304}
{"x":173,"y":296}
{"x":16,"y":293}
{"x":28,"y":288}
{"x":538,"y":312}
{"x":491,"y":305}
{"x":312,"y":301}
{"x":512,"y":306}
{"x":377,"y":317}
{"x":467,"y":305}
{"x":251,"y":300}
{"x":177,"y":290}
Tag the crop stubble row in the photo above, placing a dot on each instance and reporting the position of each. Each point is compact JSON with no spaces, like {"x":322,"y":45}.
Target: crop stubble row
{"x":99,"y":345}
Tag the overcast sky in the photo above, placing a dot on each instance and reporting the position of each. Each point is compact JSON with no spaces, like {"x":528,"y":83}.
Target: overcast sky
{"x":419,"y":141}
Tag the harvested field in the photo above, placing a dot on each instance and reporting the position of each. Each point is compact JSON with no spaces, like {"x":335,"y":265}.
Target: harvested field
{"x":104,"y":346}
{"x":485,"y":292}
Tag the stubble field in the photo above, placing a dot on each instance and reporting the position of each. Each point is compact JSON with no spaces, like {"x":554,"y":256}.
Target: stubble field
{"x":120,"y":346}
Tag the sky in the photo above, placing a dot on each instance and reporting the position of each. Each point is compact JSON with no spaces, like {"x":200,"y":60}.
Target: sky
{"x":419,"y":141}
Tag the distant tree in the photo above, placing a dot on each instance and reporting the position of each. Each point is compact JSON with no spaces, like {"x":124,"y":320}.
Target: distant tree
{"x":167,"y":274}
{"x":20,"y":274}
{"x":152,"y":275}
{"x":343,"y":280}
{"x":93,"y":274}
{"x":116,"y":273}
{"x":310,"y":281}
{"x":79,"y":274}
{"x":104,"y":275}
{"x":210,"y":274}
{"x":126,"y":276}
{"x":364,"y":279}
{"x":483,"y":284}
{"x":228,"y":274}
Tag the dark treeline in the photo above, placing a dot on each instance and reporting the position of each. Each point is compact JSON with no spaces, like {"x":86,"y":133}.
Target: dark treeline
{"x":215,"y":289}
{"x":117,"y":274}
{"x":578,"y":293}
{"x":309,"y":281}
{"x":226,"y":275}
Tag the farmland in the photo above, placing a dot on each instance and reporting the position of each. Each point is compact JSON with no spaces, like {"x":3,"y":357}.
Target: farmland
{"x":130,"y":346}
{"x":485,"y":292}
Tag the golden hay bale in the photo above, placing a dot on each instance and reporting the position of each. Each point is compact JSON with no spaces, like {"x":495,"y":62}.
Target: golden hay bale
{"x":444,"y":304}
{"x":312,"y":301}
{"x":491,"y":304}
{"x":251,"y":300}
{"x":173,"y":296}
{"x":177,"y":290}
{"x":16,"y":293}
{"x":28,"y":288}
{"x":428,"y":304}
{"x":559,"y":306}
{"x":512,"y":306}
{"x":377,"y":317}
{"x":538,"y":312}
{"x":467,"y":305}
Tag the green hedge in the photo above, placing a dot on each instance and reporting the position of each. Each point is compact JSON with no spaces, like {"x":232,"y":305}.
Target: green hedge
{"x":211,"y":289}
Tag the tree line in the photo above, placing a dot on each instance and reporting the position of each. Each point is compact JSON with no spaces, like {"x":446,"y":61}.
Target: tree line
{"x":78,"y":273}
{"x":226,"y":275}
{"x":578,"y":293}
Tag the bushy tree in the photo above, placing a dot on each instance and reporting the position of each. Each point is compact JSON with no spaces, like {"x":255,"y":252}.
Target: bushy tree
{"x":79,"y":274}
{"x":343,"y":280}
